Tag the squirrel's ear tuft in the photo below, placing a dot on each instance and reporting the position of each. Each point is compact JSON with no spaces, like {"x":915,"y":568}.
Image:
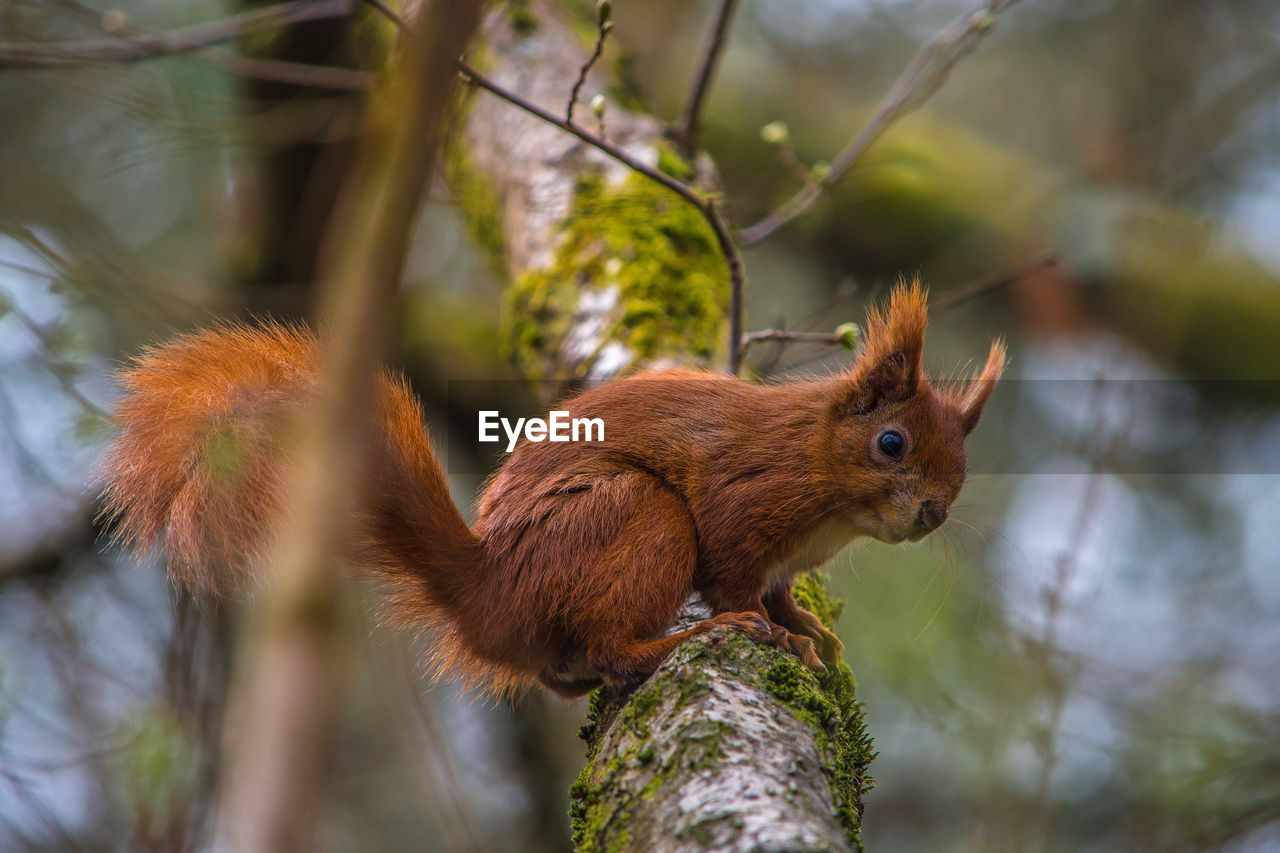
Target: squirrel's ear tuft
{"x":888,"y":368}
{"x":974,"y":395}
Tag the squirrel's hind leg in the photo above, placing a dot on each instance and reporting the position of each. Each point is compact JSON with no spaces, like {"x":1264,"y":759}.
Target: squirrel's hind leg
{"x":639,"y":579}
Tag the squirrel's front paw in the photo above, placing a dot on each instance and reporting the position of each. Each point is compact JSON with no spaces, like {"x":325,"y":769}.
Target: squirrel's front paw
{"x":805,"y":649}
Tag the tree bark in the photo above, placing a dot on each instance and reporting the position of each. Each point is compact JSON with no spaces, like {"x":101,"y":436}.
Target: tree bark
{"x":607,"y":269}
{"x":730,"y":745}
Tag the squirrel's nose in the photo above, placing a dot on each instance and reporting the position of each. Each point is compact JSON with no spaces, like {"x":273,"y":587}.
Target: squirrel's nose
{"x":932,"y":514}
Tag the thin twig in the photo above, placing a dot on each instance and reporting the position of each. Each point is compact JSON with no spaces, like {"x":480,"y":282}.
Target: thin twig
{"x":968,"y":292}
{"x":705,"y":205}
{"x":713,"y":43}
{"x":603,"y":27}
{"x":677,"y":186}
{"x":974,"y":289}
{"x":270,"y":70}
{"x":918,"y":82}
{"x":56,"y":367}
{"x":182,"y":40}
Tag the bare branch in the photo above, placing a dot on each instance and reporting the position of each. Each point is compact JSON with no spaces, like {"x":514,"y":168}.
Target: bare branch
{"x":975,"y":289}
{"x":713,"y":43}
{"x":183,"y":40}
{"x":272,"y":70}
{"x":922,"y":78}
{"x":967,"y":292}
{"x":678,"y":187}
{"x":55,"y":365}
{"x":603,"y":28}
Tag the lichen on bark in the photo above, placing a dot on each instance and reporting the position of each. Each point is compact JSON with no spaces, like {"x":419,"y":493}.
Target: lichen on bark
{"x":676,"y":762}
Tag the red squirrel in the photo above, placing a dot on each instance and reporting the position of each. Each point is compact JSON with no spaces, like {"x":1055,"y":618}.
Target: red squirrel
{"x":581,"y":553}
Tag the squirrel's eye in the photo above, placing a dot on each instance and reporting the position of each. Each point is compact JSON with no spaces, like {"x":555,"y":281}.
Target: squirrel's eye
{"x":892,"y":444}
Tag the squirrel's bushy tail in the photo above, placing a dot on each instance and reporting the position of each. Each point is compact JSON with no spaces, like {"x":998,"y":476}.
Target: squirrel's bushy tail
{"x":204,"y":429}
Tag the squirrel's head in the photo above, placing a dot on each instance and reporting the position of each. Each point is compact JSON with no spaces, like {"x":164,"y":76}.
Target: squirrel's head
{"x":897,"y":457}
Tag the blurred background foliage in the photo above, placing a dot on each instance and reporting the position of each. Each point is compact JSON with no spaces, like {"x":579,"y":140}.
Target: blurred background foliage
{"x":1089,"y":657}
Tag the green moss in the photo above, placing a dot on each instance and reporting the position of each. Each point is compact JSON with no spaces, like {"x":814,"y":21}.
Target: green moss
{"x":826,"y":703}
{"x":636,"y":247}
{"x":810,"y":592}
{"x":673,"y":164}
{"x":601,"y":806}
{"x":600,"y":809}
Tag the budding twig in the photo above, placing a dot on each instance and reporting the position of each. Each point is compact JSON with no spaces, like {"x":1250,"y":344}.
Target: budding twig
{"x":604,"y":11}
{"x":918,"y":82}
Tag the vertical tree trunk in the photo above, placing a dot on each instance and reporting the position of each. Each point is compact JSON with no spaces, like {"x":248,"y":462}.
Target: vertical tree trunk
{"x":607,"y":269}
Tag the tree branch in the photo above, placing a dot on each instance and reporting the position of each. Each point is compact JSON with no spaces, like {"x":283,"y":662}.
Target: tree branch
{"x":618,"y":153}
{"x":729,"y":746}
{"x":713,"y":42}
{"x":975,"y":289}
{"x":271,"y":70}
{"x":706,"y":205}
{"x":183,"y":40}
{"x":923,"y":77}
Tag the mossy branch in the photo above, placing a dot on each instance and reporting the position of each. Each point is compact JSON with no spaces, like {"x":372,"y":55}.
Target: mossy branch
{"x":730,"y":745}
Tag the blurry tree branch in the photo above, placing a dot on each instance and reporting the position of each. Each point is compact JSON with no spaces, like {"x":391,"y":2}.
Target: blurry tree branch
{"x":729,"y":746}
{"x":50,"y":556}
{"x":274,"y":70}
{"x":953,"y":298}
{"x":713,"y":42}
{"x":183,"y":40}
{"x":976,"y":289}
{"x":279,"y":728}
{"x":923,"y":77}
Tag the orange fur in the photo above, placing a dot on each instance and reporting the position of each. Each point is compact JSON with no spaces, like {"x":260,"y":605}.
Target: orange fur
{"x":582,"y":552}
